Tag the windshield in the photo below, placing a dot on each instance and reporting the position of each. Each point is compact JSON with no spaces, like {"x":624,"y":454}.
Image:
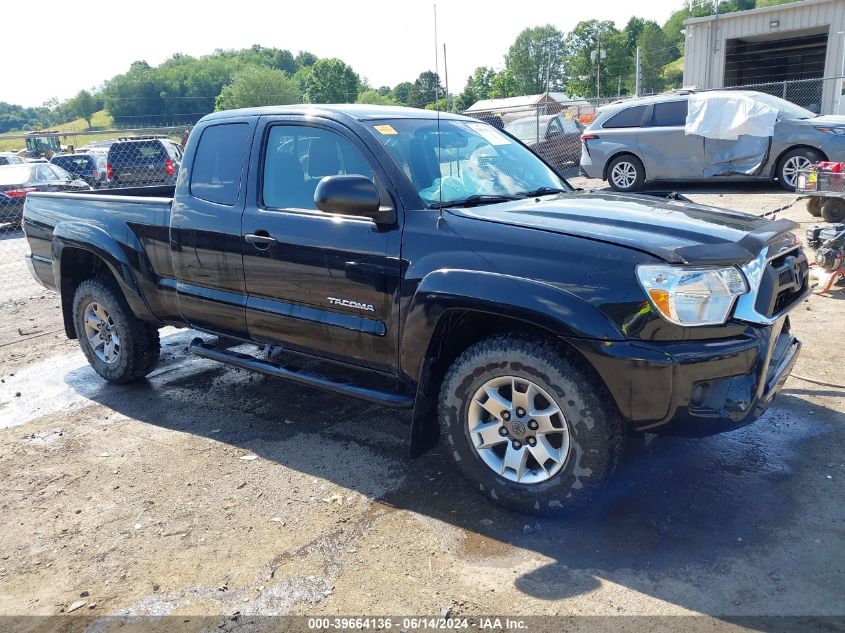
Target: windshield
{"x":787,"y":109}
{"x":529,"y":130}
{"x":464,"y":162}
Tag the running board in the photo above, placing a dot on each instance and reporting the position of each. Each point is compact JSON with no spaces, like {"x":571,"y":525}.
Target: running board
{"x":245,"y":361}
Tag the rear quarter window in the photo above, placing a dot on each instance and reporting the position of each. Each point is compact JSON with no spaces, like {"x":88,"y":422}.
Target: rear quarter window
{"x":218,"y":163}
{"x":629,"y":117}
{"x":670,"y":114}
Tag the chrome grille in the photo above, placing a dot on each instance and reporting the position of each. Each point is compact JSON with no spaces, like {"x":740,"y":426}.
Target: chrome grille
{"x":777,"y":282}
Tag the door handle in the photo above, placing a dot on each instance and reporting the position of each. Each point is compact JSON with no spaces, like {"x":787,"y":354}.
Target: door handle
{"x":261,"y":239}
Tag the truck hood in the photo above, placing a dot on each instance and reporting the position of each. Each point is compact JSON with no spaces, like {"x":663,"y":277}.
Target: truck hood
{"x":675,"y":231}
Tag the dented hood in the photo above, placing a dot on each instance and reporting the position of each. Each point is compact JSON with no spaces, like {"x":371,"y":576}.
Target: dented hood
{"x":677,"y":232}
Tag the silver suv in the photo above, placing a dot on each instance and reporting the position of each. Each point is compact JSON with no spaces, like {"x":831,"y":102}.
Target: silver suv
{"x":644,"y":139}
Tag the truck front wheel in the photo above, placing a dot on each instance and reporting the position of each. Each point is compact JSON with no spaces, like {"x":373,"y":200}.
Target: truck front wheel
{"x":528,"y":424}
{"x":118,"y":345}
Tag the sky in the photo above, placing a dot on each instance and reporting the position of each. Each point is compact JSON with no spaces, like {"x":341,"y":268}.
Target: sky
{"x":384,"y":42}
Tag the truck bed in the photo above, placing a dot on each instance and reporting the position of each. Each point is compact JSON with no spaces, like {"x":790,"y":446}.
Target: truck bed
{"x":137,"y":213}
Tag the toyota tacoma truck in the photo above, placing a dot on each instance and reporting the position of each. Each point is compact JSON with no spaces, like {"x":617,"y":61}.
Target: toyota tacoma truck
{"x":446,"y":269}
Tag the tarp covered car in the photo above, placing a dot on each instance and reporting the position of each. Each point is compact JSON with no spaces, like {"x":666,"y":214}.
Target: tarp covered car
{"x":737,"y":129}
{"x":725,"y":134}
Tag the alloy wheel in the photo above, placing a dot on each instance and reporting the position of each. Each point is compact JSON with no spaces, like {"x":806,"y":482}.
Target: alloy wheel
{"x":518,"y":430}
{"x":623,"y":175}
{"x":102,"y":333}
{"x":792,"y":167}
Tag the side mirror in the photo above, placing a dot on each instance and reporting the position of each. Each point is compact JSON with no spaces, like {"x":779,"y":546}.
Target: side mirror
{"x":348,"y":195}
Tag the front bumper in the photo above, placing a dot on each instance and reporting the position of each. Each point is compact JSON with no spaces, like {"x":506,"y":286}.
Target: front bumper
{"x":696,"y":388}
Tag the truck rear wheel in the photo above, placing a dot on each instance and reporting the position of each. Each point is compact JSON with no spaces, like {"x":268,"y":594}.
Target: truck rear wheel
{"x":532,"y":427}
{"x":118,"y":345}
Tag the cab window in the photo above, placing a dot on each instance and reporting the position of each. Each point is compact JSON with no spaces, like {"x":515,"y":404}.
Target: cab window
{"x":219,"y":159}
{"x":297,"y":157}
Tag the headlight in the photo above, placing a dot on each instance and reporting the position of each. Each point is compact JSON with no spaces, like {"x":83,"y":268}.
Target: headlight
{"x":832,"y":130}
{"x":691,"y":295}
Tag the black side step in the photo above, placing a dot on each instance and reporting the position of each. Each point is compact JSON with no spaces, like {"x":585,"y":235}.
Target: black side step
{"x":244,"y":361}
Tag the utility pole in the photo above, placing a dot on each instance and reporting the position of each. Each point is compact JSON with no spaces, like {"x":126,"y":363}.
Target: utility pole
{"x":598,"y":55}
{"x":638,"y":72}
{"x":598,"y":67}
{"x":436,"y":64}
{"x":446,"y":76}
{"x":548,"y":67}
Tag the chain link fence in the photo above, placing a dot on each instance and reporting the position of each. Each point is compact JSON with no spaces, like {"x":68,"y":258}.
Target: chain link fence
{"x":552,"y":129}
{"x":821,"y":95}
{"x":69,"y":161}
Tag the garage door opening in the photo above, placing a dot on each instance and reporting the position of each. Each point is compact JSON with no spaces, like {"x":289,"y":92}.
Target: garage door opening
{"x":775,"y":58}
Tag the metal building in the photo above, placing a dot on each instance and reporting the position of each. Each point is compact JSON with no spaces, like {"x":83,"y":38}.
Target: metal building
{"x":795,"y":51}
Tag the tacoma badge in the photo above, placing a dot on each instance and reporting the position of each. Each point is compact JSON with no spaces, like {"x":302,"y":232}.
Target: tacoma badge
{"x":351,"y":304}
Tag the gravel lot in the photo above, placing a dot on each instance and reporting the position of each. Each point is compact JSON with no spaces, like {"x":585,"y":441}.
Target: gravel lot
{"x":208,"y":490}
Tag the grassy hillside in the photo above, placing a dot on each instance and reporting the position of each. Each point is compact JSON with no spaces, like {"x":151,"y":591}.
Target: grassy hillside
{"x":101,"y":120}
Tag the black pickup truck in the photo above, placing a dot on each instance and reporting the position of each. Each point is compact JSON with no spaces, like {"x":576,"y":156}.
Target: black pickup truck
{"x":445,"y":268}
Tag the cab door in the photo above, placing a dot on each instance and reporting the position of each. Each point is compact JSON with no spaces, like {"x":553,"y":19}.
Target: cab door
{"x":205,"y":229}
{"x":323,"y":283}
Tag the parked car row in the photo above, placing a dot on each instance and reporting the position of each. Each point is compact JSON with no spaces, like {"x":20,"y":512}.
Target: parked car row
{"x":125,"y":163}
{"x":19,"y":179}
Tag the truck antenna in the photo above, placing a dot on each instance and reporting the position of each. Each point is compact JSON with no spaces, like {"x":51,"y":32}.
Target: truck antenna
{"x":437,"y":108}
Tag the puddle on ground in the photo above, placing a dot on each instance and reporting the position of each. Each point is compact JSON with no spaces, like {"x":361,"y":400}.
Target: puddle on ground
{"x":64,"y":383}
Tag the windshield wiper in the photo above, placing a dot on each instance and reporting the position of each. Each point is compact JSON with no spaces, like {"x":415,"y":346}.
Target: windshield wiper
{"x":542,"y":191}
{"x":475,"y":200}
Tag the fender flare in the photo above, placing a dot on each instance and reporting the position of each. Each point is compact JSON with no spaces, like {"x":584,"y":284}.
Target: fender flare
{"x":536,"y":303}
{"x":97,"y":241}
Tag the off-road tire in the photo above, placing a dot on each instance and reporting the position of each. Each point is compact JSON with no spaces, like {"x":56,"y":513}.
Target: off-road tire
{"x":814,"y":207}
{"x":596,"y":430}
{"x":139,"y":341}
{"x":833,"y":210}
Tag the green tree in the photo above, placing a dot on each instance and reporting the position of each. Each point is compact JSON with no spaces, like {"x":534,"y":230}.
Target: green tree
{"x":632,"y":31}
{"x":504,"y":85}
{"x":305,"y":59}
{"x":535,"y":54}
{"x":401,"y":93}
{"x":374,"y":97}
{"x":771,"y":3}
{"x":655,"y":53}
{"x":331,"y":81}
{"x":674,"y":25}
{"x":586,"y":76}
{"x":479,"y":86}
{"x":84,"y":105}
{"x":257,"y":86}
{"x":426,"y":89}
